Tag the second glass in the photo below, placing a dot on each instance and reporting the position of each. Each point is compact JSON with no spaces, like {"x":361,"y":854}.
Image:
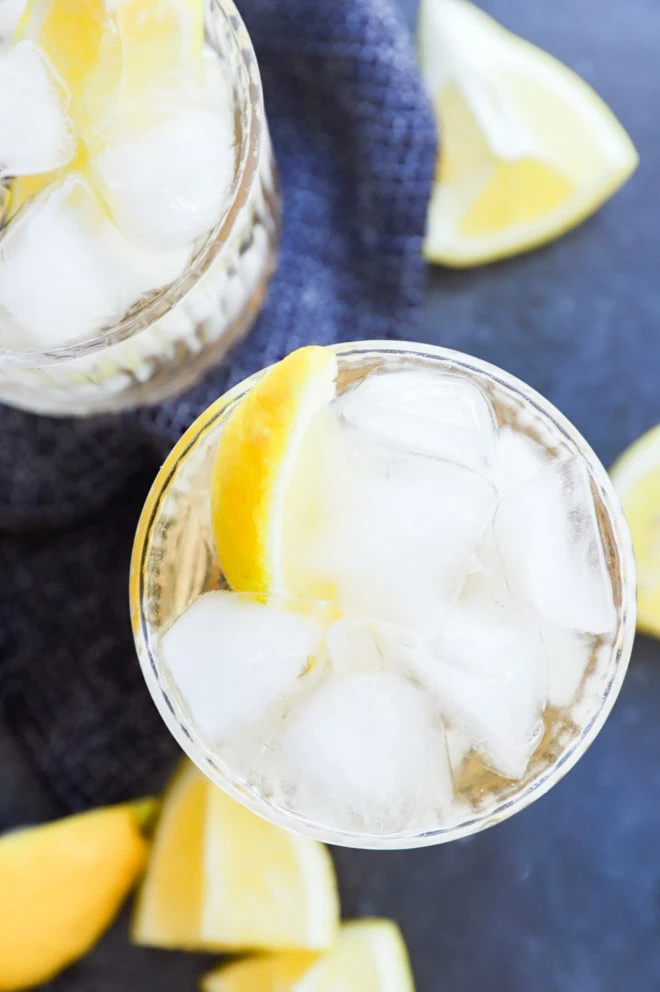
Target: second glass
{"x":172,"y":334}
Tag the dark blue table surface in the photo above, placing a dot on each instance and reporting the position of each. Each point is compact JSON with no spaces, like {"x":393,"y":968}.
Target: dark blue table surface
{"x":565,"y":897}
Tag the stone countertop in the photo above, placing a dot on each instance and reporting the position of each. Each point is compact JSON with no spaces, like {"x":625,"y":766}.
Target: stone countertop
{"x":565,"y":897}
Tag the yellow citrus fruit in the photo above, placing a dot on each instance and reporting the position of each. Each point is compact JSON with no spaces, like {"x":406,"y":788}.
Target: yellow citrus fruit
{"x":107,"y":53}
{"x":266,"y":973}
{"x":636,"y":478}
{"x":156,"y":35}
{"x":369,"y":955}
{"x":528,"y":149}
{"x":254,"y":462}
{"x":221,"y":878}
{"x":61,"y":886}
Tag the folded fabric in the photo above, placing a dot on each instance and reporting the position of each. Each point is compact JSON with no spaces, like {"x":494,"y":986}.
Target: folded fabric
{"x":355,"y":144}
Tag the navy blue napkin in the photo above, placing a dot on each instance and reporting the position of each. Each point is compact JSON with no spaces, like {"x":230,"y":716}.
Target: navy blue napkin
{"x":355,"y":144}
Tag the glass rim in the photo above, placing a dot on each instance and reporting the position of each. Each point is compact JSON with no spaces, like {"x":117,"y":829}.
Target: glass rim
{"x":414,"y":837}
{"x":143,"y":314}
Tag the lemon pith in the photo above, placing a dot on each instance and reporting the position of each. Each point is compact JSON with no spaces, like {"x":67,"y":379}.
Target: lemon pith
{"x":254,"y":459}
{"x":528,"y":149}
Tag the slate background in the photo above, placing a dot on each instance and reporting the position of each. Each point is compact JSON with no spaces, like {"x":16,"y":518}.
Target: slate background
{"x":565,"y":897}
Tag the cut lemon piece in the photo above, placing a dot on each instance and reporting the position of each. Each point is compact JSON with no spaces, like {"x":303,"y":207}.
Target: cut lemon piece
{"x":528,"y":148}
{"x":170,"y":898}
{"x":636,"y":478}
{"x":61,"y":886}
{"x":221,"y":878}
{"x":81,"y":42}
{"x":254,"y":463}
{"x":369,"y":955}
{"x":272,"y":973}
{"x":156,"y":35}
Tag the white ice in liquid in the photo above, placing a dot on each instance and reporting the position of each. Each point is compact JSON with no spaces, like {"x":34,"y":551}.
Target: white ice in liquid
{"x":466,"y":560}
{"x":158,"y":177}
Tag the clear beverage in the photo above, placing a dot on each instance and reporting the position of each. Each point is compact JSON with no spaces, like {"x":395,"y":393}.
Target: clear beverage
{"x":510,"y":679}
{"x":136,"y":239}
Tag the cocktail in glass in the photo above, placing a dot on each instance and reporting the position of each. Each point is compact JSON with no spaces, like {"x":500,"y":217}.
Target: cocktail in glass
{"x":137,"y":242}
{"x":464,"y":622}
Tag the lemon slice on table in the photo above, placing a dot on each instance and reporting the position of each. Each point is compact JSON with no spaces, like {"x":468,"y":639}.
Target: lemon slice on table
{"x":528,"y":149}
{"x":636,"y":478}
{"x":221,"y":878}
{"x":254,"y":463}
{"x":369,"y":955}
{"x":62,"y":884}
{"x":265,"y":973}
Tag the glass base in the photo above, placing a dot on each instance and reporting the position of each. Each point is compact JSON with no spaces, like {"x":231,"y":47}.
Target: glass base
{"x":172,"y":354}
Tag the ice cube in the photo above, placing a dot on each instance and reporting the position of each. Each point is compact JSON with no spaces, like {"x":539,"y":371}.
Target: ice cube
{"x":487,"y":670}
{"x":351,"y":646}
{"x":432,"y":413}
{"x":166,"y":174}
{"x":36,"y":134}
{"x":568,"y":655}
{"x":233,"y":659}
{"x":368,"y":745}
{"x":395,"y":534}
{"x":548,"y":536}
{"x":519,"y":459}
{"x":65,"y":272}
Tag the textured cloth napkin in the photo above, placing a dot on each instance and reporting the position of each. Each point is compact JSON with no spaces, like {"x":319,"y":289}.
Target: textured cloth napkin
{"x":355,"y":144}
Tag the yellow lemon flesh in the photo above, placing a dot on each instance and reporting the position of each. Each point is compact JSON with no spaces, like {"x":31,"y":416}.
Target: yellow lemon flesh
{"x":528,"y":149}
{"x":221,"y":878}
{"x":369,"y":955}
{"x":254,"y":463}
{"x":636,"y":478}
{"x":272,"y":973}
{"x":61,"y":886}
{"x":103,"y":51}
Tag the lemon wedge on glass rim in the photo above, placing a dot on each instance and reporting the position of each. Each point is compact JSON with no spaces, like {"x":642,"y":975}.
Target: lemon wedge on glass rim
{"x":254,"y":463}
{"x":528,"y":149}
{"x":636,"y":478}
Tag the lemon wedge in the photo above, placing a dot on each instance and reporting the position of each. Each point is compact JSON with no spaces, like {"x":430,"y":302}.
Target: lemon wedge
{"x":636,"y":478}
{"x":369,"y":955}
{"x":528,"y":149}
{"x":61,"y":885}
{"x":254,"y":462}
{"x":271,"y":973}
{"x":221,"y":878}
{"x":82,"y":44}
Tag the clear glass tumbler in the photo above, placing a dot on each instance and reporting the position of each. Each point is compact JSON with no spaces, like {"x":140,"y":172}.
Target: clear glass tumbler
{"x":174,"y":561}
{"x":172,"y":336}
